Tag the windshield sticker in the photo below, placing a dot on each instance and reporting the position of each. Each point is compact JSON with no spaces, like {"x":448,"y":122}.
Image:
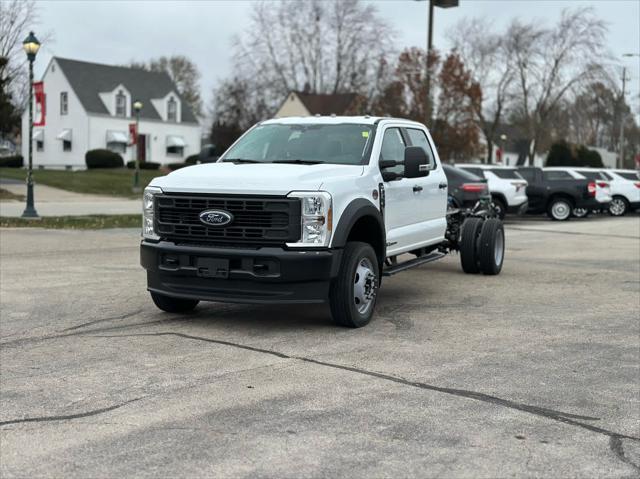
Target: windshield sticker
{"x":365,"y":134}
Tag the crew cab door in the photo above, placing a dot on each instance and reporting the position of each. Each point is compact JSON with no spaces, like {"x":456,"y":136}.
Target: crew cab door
{"x":415,"y":208}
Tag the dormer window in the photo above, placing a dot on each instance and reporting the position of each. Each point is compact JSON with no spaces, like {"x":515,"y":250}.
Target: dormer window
{"x":172,"y":110}
{"x":121,"y":104}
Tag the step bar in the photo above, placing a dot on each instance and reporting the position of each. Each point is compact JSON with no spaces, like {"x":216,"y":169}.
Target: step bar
{"x":412,"y":263}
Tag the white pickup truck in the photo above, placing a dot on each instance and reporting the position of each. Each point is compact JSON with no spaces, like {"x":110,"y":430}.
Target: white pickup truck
{"x":308,"y":210}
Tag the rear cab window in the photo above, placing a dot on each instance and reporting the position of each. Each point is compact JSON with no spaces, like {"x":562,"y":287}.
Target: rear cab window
{"x":557,"y":175}
{"x":506,"y":174}
{"x":592,"y":175}
{"x":475,"y":171}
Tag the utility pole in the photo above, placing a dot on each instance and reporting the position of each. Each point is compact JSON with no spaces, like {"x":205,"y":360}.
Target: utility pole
{"x":620,"y":162}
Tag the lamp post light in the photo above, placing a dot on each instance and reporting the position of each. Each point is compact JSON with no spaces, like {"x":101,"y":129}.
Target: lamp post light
{"x":31,"y":45}
{"x":137,"y":106}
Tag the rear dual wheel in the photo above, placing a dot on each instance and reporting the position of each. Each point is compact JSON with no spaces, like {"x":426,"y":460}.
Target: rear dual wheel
{"x":482,"y":246}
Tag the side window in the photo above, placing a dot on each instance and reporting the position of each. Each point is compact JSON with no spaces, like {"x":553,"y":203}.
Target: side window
{"x":64,"y":103}
{"x":475,"y":171}
{"x":418,"y":138}
{"x":556,"y":175}
{"x":393,"y":149}
{"x":528,"y":175}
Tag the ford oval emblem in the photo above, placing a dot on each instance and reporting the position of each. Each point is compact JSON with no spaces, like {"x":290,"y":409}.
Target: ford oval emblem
{"x":216,"y":217}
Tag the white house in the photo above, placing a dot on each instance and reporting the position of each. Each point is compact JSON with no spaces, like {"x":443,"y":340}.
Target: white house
{"x":89,"y":106}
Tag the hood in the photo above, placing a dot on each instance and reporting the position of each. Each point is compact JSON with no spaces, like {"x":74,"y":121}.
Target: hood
{"x":253,"y":178}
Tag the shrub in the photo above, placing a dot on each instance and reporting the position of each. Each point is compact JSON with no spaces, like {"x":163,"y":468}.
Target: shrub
{"x":587,"y":157}
{"x":144,"y":165}
{"x":192,"y":159}
{"x":103,"y":159}
{"x":14,"y":161}
{"x":560,"y":154}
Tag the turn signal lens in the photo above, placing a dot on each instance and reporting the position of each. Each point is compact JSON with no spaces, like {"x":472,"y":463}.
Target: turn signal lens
{"x":591,"y":188}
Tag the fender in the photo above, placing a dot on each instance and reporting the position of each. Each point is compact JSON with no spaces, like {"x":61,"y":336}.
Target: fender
{"x":357,"y":209}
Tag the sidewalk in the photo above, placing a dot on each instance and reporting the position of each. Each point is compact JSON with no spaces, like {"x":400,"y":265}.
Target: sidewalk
{"x":56,"y":202}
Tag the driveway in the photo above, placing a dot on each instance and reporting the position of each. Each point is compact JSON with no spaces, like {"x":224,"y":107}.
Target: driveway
{"x":530,"y":373}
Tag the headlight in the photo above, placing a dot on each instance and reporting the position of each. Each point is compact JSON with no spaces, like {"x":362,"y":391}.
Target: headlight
{"x":316,"y":218}
{"x":148,"y":201}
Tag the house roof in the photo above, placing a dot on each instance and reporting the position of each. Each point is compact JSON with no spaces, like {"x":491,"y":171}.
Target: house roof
{"x":327,"y":104}
{"x":89,"y":79}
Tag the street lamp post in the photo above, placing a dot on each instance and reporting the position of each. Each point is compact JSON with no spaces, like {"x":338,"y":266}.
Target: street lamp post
{"x":503,"y":139}
{"x":31,"y":46}
{"x":432,"y":4}
{"x":622,"y":115}
{"x":137,"y":106}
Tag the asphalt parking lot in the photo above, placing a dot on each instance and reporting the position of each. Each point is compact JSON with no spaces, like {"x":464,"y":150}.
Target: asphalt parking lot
{"x":531,"y":373}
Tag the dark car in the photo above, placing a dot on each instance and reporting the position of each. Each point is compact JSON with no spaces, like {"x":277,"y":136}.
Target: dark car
{"x":557,"y":193}
{"x":465,"y":189}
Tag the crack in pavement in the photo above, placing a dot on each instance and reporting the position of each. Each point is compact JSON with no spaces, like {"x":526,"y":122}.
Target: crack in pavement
{"x":615,"y":438}
{"x":94,"y":412}
{"x":122,"y":316}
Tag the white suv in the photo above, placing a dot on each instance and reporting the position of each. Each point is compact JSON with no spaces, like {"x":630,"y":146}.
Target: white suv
{"x":507,"y":187}
{"x":603,"y":189}
{"x":625,"y":191}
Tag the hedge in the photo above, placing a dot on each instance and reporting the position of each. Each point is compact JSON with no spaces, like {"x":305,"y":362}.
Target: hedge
{"x":192,"y":159}
{"x":177,"y":166}
{"x":144,"y":165}
{"x":15,"y":161}
{"x":103,"y":159}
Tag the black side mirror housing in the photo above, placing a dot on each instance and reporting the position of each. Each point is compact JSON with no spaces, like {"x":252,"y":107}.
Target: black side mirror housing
{"x":416,"y":162}
{"x":390,"y":175}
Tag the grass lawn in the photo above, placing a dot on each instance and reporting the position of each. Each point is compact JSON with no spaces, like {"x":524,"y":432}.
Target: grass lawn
{"x":114,"y":182}
{"x":92,"y":222}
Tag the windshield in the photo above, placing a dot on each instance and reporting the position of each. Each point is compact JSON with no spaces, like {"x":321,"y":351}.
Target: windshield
{"x":343,"y":144}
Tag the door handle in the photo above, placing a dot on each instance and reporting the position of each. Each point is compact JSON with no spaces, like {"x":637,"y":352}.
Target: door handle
{"x":442,"y":186}
{"x":417,"y":188}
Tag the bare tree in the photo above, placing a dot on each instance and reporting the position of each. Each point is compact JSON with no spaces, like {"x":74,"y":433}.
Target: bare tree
{"x":484,"y":53}
{"x":17,"y":17}
{"x":321,"y":46}
{"x":549,"y":63}
{"x":183,"y":72}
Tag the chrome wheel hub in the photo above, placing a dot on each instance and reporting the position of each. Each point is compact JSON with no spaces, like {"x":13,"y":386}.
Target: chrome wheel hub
{"x":498,"y":249}
{"x":560,"y":210}
{"x":617,"y":207}
{"x":364,"y":286}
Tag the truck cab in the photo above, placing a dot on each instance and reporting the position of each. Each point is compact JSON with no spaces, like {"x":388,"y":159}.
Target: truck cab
{"x":297,"y":210}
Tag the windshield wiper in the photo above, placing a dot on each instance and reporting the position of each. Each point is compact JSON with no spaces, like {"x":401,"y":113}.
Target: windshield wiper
{"x":239,"y":160}
{"x":298,"y":161}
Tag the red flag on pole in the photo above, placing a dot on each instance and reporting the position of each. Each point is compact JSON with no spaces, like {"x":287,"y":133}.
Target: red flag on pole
{"x":133,"y":134}
{"x":40,"y":104}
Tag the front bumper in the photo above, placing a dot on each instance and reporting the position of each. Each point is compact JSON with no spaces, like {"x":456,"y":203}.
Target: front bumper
{"x":234,"y":275}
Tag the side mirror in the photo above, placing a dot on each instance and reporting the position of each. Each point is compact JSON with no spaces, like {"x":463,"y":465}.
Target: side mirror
{"x":390,"y":176}
{"x":416,"y":162}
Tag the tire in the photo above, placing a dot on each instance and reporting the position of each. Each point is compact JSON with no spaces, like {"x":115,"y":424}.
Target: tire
{"x":580,"y":212}
{"x":491,"y":247}
{"x":353,"y":292}
{"x":618,"y":206}
{"x":559,"y":209}
{"x":173,"y":305}
{"x":469,"y":234}
{"x":499,"y":207}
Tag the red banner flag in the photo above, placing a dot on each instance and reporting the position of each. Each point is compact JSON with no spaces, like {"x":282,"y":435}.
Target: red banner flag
{"x":40,"y":104}
{"x":133,"y":134}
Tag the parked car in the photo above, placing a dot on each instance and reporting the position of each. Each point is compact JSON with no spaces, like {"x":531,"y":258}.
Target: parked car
{"x":603,"y":190}
{"x":625,"y":191}
{"x":557,"y":192}
{"x":308,"y":210}
{"x":465,"y":189}
{"x":507,"y":187}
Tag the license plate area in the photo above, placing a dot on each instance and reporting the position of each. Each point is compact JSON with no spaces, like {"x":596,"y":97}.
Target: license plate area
{"x":212,"y":268}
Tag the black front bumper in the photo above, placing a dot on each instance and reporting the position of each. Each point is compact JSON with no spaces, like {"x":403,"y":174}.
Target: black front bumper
{"x":262,"y":275}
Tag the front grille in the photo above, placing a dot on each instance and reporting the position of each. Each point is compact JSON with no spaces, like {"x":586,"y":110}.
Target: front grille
{"x":257,"y":220}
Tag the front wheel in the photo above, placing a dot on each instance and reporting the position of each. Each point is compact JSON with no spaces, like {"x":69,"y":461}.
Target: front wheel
{"x":352,"y":297}
{"x":559,"y":209}
{"x":173,"y":305}
{"x":499,"y":208}
{"x":580,"y":212}
{"x":618,"y":206}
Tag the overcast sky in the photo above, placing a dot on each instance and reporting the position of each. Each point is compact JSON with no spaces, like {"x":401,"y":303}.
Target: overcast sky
{"x":115,"y":32}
